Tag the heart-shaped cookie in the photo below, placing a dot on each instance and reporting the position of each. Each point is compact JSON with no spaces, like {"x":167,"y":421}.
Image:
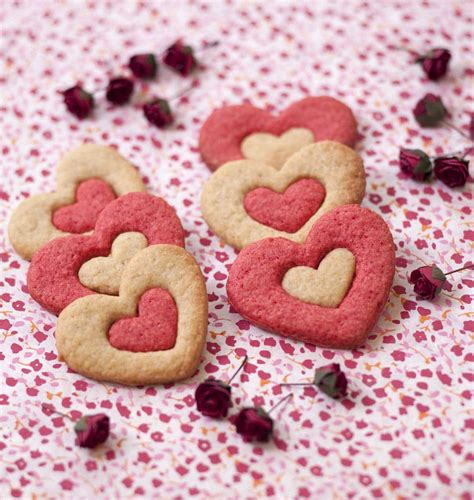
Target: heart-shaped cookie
{"x":236,"y":132}
{"x":84,"y":328}
{"x":53,"y":279}
{"x":35,"y":221}
{"x":255,"y":280}
{"x":336,"y":167}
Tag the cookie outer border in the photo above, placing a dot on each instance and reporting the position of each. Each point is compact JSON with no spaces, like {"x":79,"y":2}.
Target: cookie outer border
{"x":337,"y":167}
{"x":31,"y":224}
{"x":81,"y":333}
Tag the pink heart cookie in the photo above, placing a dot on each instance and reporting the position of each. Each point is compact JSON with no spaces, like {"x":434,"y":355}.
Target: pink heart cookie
{"x":222,"y":134}
{"x":255,"y":287}
{"x":53,"y":274}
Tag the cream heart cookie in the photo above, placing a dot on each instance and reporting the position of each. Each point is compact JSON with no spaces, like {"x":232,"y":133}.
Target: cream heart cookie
{"x":245,"y":201}
{"x":153,"y":332}
{"x":325,"y":286}
{"x":88,"y":178}
{"x":102,"y":274}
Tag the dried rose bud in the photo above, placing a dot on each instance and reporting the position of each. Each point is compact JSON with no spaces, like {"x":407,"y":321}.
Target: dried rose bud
{"x":452,"y":171}
{"x":253,"y":424}
{"x":429,"y":111}
{"x":428,"y":281}
{"x":119,"y":90}
{"x":158,"y":112}
{"x":331,"y":380}
{"x":435,"y":63}
{"x":92,"y":430}
{"x":143,"y":65}
{"x":213,"y":398}
{"x":78,"y":102}
{"x":415,"y":163}
{"x":180,"y":58}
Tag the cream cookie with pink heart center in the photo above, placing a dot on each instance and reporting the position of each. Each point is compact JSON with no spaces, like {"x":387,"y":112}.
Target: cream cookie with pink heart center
{"x":245,"y":201}
{"x":153,"y":332}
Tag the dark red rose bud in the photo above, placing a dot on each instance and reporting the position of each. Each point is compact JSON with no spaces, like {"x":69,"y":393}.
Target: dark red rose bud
{"x":180,"y":58}
{"x":143,"y":65}
{"x":331,"y":380}
{"x":416,"y":164}
{"x":452,"y":171}
{"x":158,"y":113}
{"x":428,"y":281}
{"x":213,"y":398}
{"x":435,"y":63}
{"x":253,"y":424}
{"x":119,"y":90}
{"x":429,"y":111}
{"x":78,"y":102}
{"x":92,"y":430}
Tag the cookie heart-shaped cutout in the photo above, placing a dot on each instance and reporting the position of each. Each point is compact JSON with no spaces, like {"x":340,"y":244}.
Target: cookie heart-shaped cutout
{"x":325,"y":286}
{"x":286,"y":211}
{"x":87,"y":327}
{"x":275,"y":150}
{"x":227,"y":134}
{"x":92,"y":196}
{"x":53,"y":279}
{"x":336,"y":167}
{"x":102,"y":274}
{"x":153,"y":330}
{"x":44,"y":217}
{"x":255,"y":290}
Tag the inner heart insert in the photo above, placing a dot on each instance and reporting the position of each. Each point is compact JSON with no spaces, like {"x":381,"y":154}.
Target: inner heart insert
{"x":92,"y":196}
{"x":275,"y":150}
{"x":155,"y":327}
{"x":325,"y":286}
{"x":287,"y":211}
{"x":103,"y":274}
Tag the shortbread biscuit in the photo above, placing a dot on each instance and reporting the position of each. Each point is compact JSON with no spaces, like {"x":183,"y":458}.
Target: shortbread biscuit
{"x":243,"y":131}
{"x":88,"y":178}
{"x":323,"y":176}
{"x":164,"y":285}
{"x":53,"y":277}
{"x":255,"y":286}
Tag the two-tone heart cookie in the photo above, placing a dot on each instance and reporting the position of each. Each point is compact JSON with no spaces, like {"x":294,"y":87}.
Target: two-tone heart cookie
{"x":238,"y":132}
{"x":328,"y":291}
{"x":88,"y":178}
{"x":68,"y":268}
{"x":245,"y":201}
{"x":152,"y":332}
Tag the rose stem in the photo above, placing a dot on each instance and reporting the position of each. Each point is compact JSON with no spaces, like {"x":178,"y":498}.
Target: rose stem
{"x":53,"y":410}
{"x":460,"y":269}
{"x":457,"y":129}
{"x":406,"y":49}
{"x":238,"y":369}
{"x":279,"y":403}
{"x":297,"y":383}
{"x":181,"y":93}
{"x":452,"y":153}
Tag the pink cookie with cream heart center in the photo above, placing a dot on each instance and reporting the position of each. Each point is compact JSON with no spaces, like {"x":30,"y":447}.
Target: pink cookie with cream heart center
{"x":255,"y":288}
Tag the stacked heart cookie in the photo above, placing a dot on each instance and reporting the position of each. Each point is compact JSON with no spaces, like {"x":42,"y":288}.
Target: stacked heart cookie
{"x":108,"y":258}
{"x":315,"y":266}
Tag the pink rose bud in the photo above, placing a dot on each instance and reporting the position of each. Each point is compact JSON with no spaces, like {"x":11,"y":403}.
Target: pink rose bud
{"x":92,"y":430}
{"x":429,"y":111}
{"x":428,"y":281}
{"x":180,"y":58}
{"x":415,"y":163}
{"x":78,"y":102}
{"x":331,"y":380}
{"x":452,"y":171}
{"x":158,"y":112}
{"x":435,"y":63}
{"x":143,"y":65}
{"x":119,"y":90}
{"x":253,"y":424}
{"x":213,"y":398}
